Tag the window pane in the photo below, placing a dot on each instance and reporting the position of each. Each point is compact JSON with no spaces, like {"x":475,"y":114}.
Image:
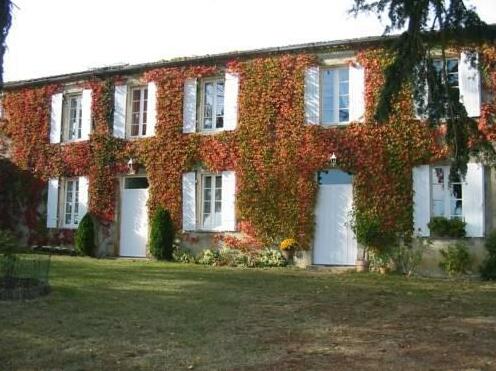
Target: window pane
{"x":438,"y":176}
{"x":219,"y":109}
{"x":136,"y":95}
{"x":208,"y":102}
{"x":328,"y":106}
{"x":206,"y":207}
{"x":438,"y":208}
{"x":134,"y":130}
{"x":208,"y":182}
{"x":218,"y":181}
{"x":456,"y":208}
{"x":136,"y":183}
{"x":437,"y":192}
{"x":456,"y":191}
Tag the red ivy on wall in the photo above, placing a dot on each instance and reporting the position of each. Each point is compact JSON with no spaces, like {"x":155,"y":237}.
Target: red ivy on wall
{"x":274,"y":153}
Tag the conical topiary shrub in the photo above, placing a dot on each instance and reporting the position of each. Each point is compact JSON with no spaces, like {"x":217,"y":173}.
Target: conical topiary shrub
{"x":85,"y":236}
{"x":162,"y":235}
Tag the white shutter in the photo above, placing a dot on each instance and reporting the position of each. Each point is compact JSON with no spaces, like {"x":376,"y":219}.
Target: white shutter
{"x":231,"y":89}
{"x":86,"y":114}
{"x":421,"y":200}
{"x":312,"y":99}
{"x":120,"y":98}
{"x":357,"y":92}
{"x":189,"y":201}
{"x":52,"y":202}
{"x":473,"y":200}
{"x":56,"y":118}
{"x":152,"y":109}
{"x":189,"y":106}
{"x":470,"y":84}
{"x":228,"y":201}
{"x":83,"y":196}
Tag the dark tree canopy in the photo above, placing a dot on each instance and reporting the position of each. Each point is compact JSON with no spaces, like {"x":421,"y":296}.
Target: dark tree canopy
{"x":429,"y":28}
{"x":5,"y":22}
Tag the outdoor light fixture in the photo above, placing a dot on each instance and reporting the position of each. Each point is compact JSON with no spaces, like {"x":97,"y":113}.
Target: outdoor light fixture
{"x":132,"y":166}
{"x":333,"y":159}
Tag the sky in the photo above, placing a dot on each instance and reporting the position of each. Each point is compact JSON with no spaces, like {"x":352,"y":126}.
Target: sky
{"x":52,"y":37}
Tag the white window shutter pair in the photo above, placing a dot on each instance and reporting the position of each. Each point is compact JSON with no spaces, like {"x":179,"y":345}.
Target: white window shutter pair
{"x":53,"y":200}
{"x":56,"y":116}
{"x":356,"y":94}
{"x":231,"y":90}
{"x":470,"y":84}
{"x":472,"y":200}
{"x":228,"y":201}
{"x":120,"y":108}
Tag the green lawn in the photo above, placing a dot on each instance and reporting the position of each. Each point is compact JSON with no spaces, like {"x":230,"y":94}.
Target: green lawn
{"x":120,"y":314}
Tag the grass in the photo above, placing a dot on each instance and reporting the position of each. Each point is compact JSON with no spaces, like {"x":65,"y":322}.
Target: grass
{"x":121,"y":314}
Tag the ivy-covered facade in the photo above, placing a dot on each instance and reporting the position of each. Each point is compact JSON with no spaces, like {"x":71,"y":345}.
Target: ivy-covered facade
{"x":239,"y":148}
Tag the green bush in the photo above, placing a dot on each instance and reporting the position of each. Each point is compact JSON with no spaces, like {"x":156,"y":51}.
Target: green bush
{"x":8,"y":242}
{"x":270,"y":258}
{"x":162,"y":235}
{"x":84,"y":238}
{"x":183,"y":256}
{"x":369,"y":233}
{"x":208,"y":257}
{"x":488,"y":267}
{"x":443,"y":227}
{"x":456,"y":259}
{"x":407,"y":257}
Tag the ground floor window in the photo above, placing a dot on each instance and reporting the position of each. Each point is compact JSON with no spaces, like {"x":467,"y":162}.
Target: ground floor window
{"x":211,"y":201}
{"x":446,"y":195}
{"x":71,"y":202}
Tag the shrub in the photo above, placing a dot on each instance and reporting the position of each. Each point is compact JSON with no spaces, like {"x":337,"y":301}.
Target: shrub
{"x":208,"y":257}
{"x":381,"y":258}
{"x":183,"y":256}
{"x":369,"y":233}
{"x":162,"y":235}
{"x":443,"y":227}
{"x":407,"y":257}
{"x":84,"y":238}
{"x":456,"y":259}
{"x":270,"y":258}
{"x":232,"y":258}
{"x":488,"y":267}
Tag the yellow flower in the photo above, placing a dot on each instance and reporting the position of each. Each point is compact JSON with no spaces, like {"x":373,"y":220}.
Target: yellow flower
{"x":287,"y":244}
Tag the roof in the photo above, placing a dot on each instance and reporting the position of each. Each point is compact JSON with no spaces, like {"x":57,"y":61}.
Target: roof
{"x":205,"y":59}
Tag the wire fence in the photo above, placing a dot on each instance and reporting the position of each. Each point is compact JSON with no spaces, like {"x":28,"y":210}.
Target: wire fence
{"x":25,"y":266}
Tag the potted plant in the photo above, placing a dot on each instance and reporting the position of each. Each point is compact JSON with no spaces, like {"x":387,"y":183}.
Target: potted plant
{"x":288,"y":247}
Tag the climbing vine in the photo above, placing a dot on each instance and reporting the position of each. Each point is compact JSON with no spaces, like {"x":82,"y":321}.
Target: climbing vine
{"x":274,"y":153}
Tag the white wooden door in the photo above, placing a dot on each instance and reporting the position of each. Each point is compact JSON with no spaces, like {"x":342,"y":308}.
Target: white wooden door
{"x":134,"y":217}
{"x":335,"y":242}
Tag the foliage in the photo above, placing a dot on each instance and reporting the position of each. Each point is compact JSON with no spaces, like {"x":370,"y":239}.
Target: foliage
{"x":274,"y":153}
{"x":429,"y":25}
{"x":288,"y":243}
{"x":84,"y":239}
{"x":369,"y":233}
{"x":270,"y":258}
{"x":455,"y":259}
{"x":407,"y":257}
{"x":444,"y":227}
{"x":488,"y":267}
{"x":162,"y":235}
{"x":208,"y":257}
{"x":182,"y":255}
{"x":381,"y":258}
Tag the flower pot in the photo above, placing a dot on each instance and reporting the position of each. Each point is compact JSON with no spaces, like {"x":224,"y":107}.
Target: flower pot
{"x":362,"y":265}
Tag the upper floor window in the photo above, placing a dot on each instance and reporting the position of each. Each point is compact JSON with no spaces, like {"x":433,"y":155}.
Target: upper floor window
{"x":451,"y":72}
{"x":447,"y":198}
{"x":138,"y":109}
{"x":72,"y":117}
{"x":335,"y":95}
{"x":212,"y":105}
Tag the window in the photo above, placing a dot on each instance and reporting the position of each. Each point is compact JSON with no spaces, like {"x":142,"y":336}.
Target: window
{"x":446,"y":195}
{"x":335,"y":101}
{"x":211,"y":201}
{"x":212,"y":105}
{"x":138,"y":111}
{"x":136,"y":183}
{"x":451,"y":74}
{"x":73,"y":117}
{"x":71,"y":203}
